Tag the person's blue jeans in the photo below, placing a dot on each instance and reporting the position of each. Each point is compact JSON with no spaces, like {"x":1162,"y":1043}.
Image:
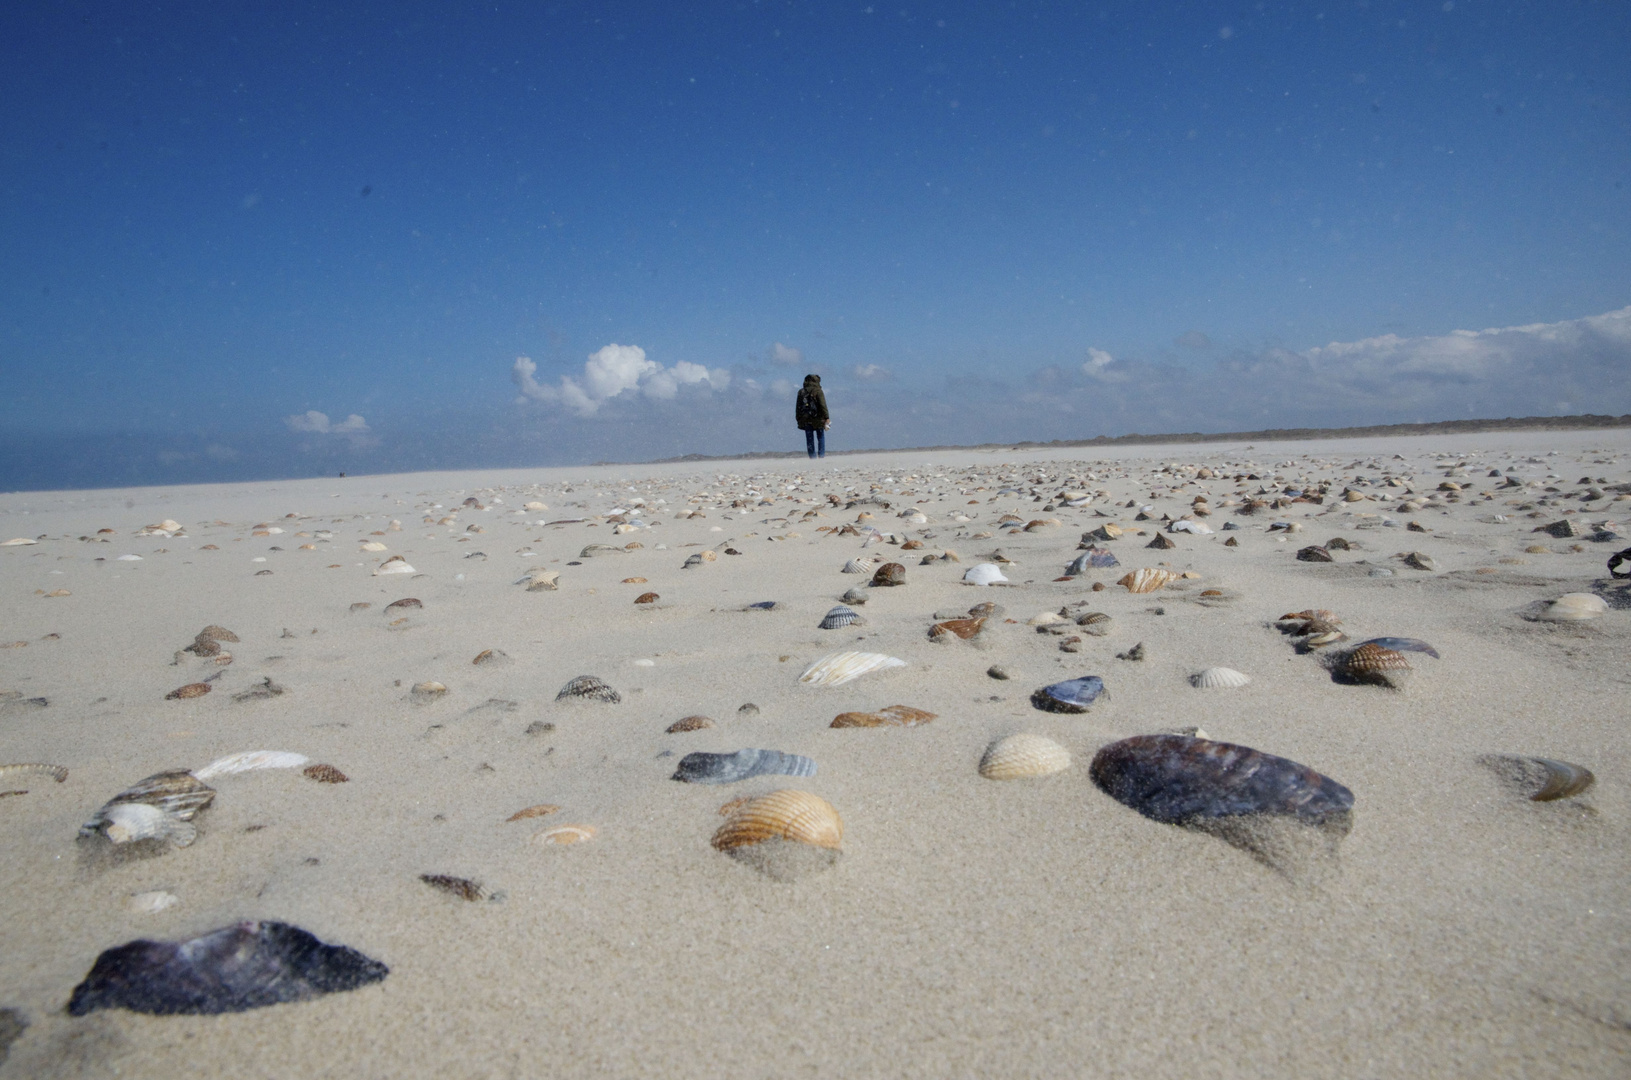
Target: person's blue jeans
{"x":816,"y":443}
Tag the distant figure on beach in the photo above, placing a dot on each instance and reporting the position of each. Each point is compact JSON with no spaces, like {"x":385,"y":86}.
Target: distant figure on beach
{"x":811,"y":413}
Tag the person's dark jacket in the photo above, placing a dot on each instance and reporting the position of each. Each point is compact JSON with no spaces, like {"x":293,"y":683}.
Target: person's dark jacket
{"x":811,"y":408}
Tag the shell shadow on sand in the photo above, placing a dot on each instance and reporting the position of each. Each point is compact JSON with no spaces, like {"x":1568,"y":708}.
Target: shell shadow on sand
{"x":239,"y":967}
{"x":1284,"y":814}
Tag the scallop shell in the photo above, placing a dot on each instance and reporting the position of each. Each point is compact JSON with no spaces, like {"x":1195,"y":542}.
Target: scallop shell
{"x":589,"y":688}
{"x":1148,"y":579}
{"x":58,"y":773}
{"x":324,"y":774}
{"x":1096,"y":623}
{"x":565,"y":834}
{"x":960,"y":628}
{"x":704,"y":768}
{"x":983,"y":574}
{"x":689,"y":723}
{"x":888,"y":716}
{"x":841,"y":616}
{"x":1375,"y":664}
{"x":892,"y":573}
{"x":1540,"y":779}
{"x":1219,"y":678}
{"x":1070,"y":696}
{"x":836,"y":669}
{"x":1020,"y":756}
{"x":1575,"y":607}
{"x":857,"y":566}
{"x":191,"y":690}
{"x":1179,"y":779}
{"x":854,"y":596}
{"x":782,"y":815}
{"x":248,"y":760}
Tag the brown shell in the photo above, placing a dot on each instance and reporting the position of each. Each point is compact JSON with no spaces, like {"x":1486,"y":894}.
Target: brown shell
{"x":634,"y":581}
{"x":538,"y":810}
{"x":889,"y":716}
{"x":890,"y":573}
{"x":176,"y":792}
{"x":785,"y":815}
{"x":463,"y":888}
{"x":324,"y":774}
{"x":491,"y":656}
{"x":404,"y":604}
{"x":1373,"y":663}
{"x":647,"y":598}
{"x":217,"y":633}
{"x":911,"y":545}
{"x":203,"y":646}
{"x":1148,"y":579}
{"x":689,"y":723}
{"x":963,"y":628}
{"x":191,"y":690}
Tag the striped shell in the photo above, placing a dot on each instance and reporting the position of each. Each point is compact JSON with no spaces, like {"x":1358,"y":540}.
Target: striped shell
{"x":1148,"y":579}
{"x":216,"y":633}
{"x":889,"y":716}
{"x":587,"y":687}
{"x":1219,"y":678}
{"x":782,"y":815}
{"x":857,"y":566}
{"x":1575,"y":607}
{"x":838,"y":668}
{"x":841,"y":616}
{"x":1019,"y":756}
{"x":1096,"y":623}
{"x":705,"y":768}
{"x":58,"y":773}
{"x":1373,"y":663}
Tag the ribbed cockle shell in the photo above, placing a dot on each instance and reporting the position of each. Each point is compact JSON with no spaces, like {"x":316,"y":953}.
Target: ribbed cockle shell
{"x":782,"y":815}
{"x":1020,"y":756}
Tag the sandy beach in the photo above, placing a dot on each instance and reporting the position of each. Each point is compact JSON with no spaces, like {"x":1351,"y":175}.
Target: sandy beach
{"x":966,"y":926}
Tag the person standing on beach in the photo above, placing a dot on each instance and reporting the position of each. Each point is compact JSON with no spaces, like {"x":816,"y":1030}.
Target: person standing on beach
{"x":811,"y":413}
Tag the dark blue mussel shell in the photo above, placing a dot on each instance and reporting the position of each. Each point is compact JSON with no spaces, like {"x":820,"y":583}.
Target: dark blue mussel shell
{"x":705,"y":768}
{"x":1070,"y":696}
{"x":1178,"y":779}
{"x":1093,"y":557}
{"x":232,"y":969}
{"x":1402,"y":644}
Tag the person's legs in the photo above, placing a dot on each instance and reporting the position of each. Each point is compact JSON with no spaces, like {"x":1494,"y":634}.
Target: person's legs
{"x":821,"y":444}
{"x":809,"y":442}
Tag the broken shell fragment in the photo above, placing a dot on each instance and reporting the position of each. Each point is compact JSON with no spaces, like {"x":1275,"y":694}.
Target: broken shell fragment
{"x":542,"y":581}
{"x":491,"y":658}
{"x":889,"y":716}
{"x":1219,"y":678}
{"x":1148,"y":579}
{"x":1539,"y":779}
{"x":838,"y":668}
{"x":324,"y":774}
{"x":1070,"y":696}
{"x":1022,"y":756}
{"x":647,"y":598}
{"x":588,"y":688}
{"x":703,"y":768}
{"x":216,"y":633}
{"x":396,"y":564}
{"x":127,"y":823}
{"x":1314,"y":553}
{"x":958,"y":628}
{"x":249,"y":760}
{"x":58,"y":773}
{"x":537,"y":810}
{"x":397,"y":607}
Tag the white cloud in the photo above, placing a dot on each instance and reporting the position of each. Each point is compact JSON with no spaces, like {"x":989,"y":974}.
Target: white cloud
{"x":609,"y":373}
{"x":1097,"y":361}
{"x":786,"y":354}
{"x":319,"y":424}
{"x":870,"y":373}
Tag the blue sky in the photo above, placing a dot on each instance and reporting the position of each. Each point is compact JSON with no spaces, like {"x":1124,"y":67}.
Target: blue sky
{"x":976,"y":221}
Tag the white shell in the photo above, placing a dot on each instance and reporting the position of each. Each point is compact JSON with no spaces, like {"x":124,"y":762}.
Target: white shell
{"x":373,"y":545}
{"x":129,"y":822}
{"x":858,"y":566}
{"x":1575,"y":606}
{"x":983,"y":574}
{"x":251,"y":759}
{"x":1193,"y":527}
{"x":1047,"y":618}
{"x":1219,"y":678}
{"x":397,"y":566}
{"x":1020,"y":756}
{"x":19,"y":542}
{"x":840,"y":667}
{"x":541,"y":580}
{"x":151,"y":903}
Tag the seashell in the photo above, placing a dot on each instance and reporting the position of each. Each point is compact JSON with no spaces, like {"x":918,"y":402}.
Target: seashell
{"x":1219,"y":678}
{"x":1401,"y":644}
{"x":56,"y":772}
{"x":889,"y":716}
{"x":634,"y":581}
{"x":889,"y":574}
{"x":373,"y":545}
{"x":1096,"y":623}
{"x":1070,"y":696}
{"x":151,"y":903}
{"x":1047,"y":618}
{"x":1320,"y":640}
{"x":1575,"y":607}
{"x":704,"y":768}
{"x":589,"y":688}
{"x":1418,"y":560}
{"x":762,"y":605}
{"x":857,"y":566}
{"x":1178,"y":779}
{"x":561,"y":835}
{"x":960,"y":628}
{"x":177,"y":793}
{"x":542,"y":580}
{"x":647,"y":598}
{"x":538,"y":810}
{"x":361,"y":605}
{"x":19,"y":541}
{"x":782,"y":815}
{"x":1161,"y":543}
{"x":1540,"y":779}
{"x":841,"y":616}
{"x":191,"y":690}
{"x":594,"y":550}
{"x":128,"y":823}
{"x":249,"y":760}
{"x":399,"y":606}
{"x":854,"y":596}
{"x":983,"y":574}
{"x":1094,"y":558}
{"x":986,"y":610}
{"x":1020,"y":756}
{"x":1148,"y":579}
{"x":491,"y":658}
{"x":836,"y":669}
{"x":427,"y":691}
{"x":1375,"y":664}
{"x":689,"y":723}
{"x":463,"y":888}
{"x":1107,"y":531}
{"x":239,"y":967}
{"x":748,"y":711}
{"x":1313,"y":553}
{"x":913,"y":545}
{"x":324,"y":774}
{"x":216,"y":633}
{"x":396,"y":564}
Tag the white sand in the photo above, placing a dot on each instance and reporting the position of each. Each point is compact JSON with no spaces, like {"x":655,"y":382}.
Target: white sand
{"x":971,"y":927}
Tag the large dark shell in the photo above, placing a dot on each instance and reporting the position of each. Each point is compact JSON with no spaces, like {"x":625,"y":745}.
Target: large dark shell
{"x":890,"y":573}
{"x":703,"y":768}
{"x":1179,"y":779}
{"x":1313,"y":553}
{"x":228,"y":970}
{"x":1070,"y":696}
{"x":587,"y":687}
